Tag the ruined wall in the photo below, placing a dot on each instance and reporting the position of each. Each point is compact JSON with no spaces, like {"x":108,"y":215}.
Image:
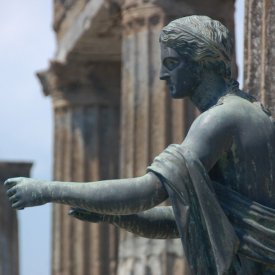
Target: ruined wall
{"x":9,"y":263}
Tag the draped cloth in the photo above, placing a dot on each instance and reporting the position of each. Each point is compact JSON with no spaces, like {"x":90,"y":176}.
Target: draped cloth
{"x":214,"y":222}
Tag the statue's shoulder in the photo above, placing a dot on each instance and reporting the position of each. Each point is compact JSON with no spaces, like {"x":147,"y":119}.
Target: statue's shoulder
{"x":221,"y":116}
{"x":242,"y":99}
{"x":233,"y":100}
{"x":229,"y":111}
{"x":241,"y":110}
{"x":225,"y":107}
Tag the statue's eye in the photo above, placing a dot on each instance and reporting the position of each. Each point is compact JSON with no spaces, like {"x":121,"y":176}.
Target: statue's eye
{"x":171,"y":63}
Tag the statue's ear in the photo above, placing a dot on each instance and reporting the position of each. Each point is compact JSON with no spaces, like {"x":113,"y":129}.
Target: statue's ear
{"x":217,"y":66}
{"x":228,"y":72}
{"x":222,"y":69}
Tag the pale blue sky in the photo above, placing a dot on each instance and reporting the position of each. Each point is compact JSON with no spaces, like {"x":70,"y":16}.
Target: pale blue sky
{"x":27,"y":43}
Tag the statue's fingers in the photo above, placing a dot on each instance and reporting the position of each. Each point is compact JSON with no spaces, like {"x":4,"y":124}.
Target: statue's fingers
{"x":75,"y":213}
{"x":85,"y":215}
{"x":11,"y":192}
{"x":78,"y":214}
{"x":17,"y":205}
{"x":13,"y":199}
{"x":9,"y":183}
{"x":71,"y":211}
{"x":79,"y":210}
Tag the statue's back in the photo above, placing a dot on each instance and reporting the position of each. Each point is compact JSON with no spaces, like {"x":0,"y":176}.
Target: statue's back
{"x":249,"y":166}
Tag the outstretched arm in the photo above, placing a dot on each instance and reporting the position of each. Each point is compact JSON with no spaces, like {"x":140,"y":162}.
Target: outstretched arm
{"x":210,"y":135}
{"x":125,"y":196}
{"x":156,"y":223}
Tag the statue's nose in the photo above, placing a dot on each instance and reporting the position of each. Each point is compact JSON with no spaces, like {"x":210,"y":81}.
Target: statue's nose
{"x":163,"y":74}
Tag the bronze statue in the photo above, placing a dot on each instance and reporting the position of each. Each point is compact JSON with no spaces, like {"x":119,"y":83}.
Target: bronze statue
{"x":220,"y":180}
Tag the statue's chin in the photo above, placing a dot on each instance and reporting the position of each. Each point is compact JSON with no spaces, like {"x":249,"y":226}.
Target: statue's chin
{"x":175,"y":94}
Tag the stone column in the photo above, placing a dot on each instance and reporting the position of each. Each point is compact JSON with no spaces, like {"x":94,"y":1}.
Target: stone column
{"x":9,"y":262}
{"x":259,"y":57}
{"x":150,"y":120}
{"x":86,"y":115}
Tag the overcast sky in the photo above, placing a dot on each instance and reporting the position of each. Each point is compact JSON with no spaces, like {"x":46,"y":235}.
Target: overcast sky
{"x":27,"y":43}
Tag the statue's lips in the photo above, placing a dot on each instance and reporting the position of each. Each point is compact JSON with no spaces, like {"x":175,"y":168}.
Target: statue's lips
{"x":170,"y":85}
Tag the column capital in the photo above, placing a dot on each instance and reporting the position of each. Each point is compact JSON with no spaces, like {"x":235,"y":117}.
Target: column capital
{"x":79,"y":84}
{"x":139,"y":14}
{"x":136,"y":17}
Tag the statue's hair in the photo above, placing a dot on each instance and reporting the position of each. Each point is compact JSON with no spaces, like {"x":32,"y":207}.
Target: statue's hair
{"x":205,"y":40}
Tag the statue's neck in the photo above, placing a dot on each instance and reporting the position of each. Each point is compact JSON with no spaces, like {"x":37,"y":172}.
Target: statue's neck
{"x":210,"y":90}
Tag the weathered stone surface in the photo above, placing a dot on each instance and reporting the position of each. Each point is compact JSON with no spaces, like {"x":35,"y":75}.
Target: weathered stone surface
{"x":260,"y":51}
{"x":9,"y":262}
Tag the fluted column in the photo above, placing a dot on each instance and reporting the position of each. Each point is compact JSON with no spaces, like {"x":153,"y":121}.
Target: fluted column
{"x":259,"y":55}
{"x":150,"y":120}
{"x":86,"y":114}
{"x":9,"y":263}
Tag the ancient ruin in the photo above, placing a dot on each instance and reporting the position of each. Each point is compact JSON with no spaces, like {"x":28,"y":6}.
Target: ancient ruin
{"x":96,"y":39}
{"x":9,"y":254}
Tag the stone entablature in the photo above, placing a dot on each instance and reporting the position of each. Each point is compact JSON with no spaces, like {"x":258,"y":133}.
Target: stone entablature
{"x":82,"y":84}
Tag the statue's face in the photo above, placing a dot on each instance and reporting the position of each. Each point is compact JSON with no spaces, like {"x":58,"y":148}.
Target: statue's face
{"x":180,"y":72}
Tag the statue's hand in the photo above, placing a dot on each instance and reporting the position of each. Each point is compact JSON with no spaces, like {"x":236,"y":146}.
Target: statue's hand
{"x":26,"y":192}
{"x":85,"y":215}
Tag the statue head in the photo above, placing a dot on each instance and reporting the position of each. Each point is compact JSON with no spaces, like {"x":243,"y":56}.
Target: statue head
{"x":204,"y":40}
